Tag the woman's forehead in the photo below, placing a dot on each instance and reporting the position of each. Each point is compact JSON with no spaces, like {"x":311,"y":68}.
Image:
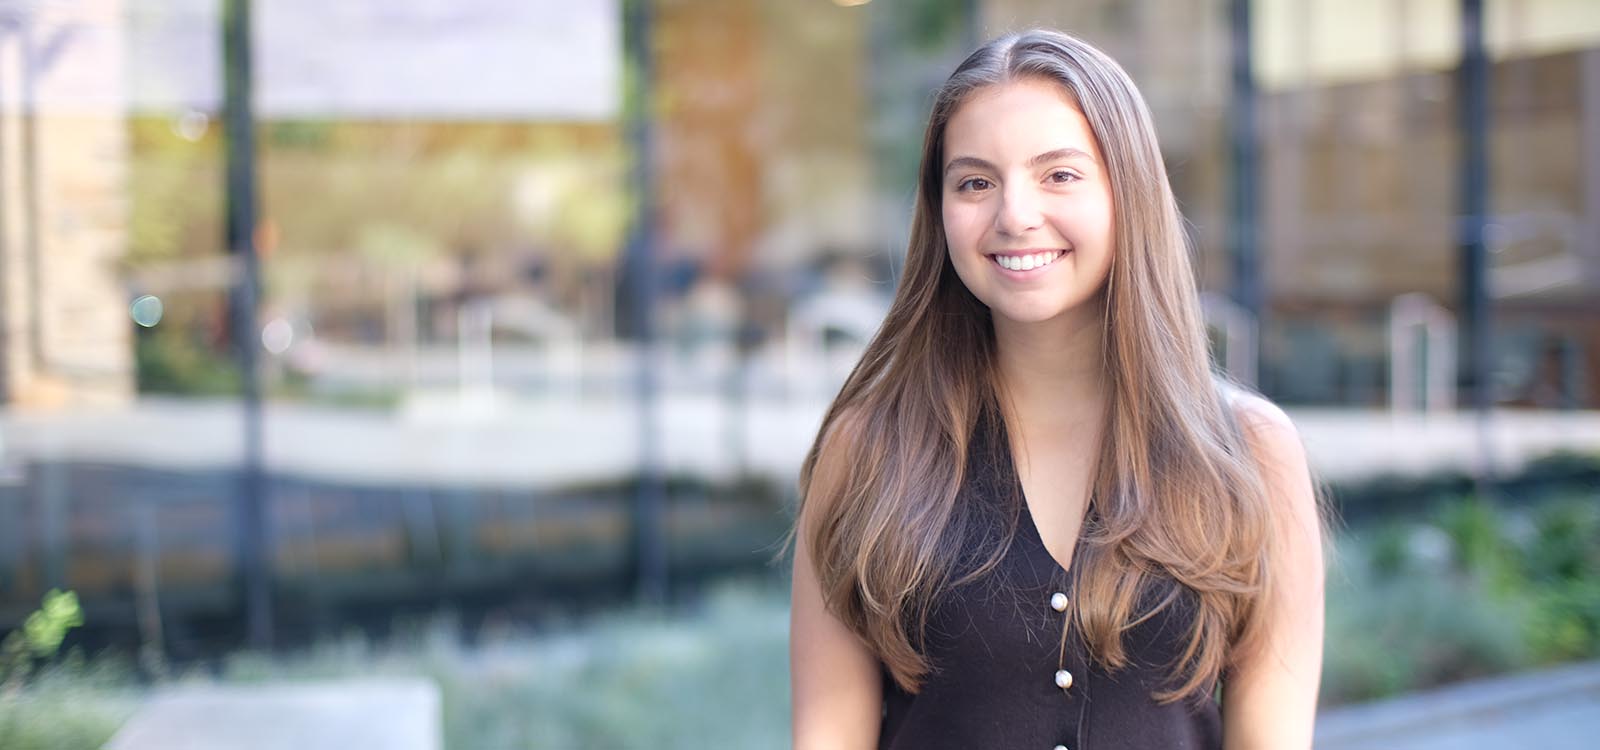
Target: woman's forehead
{"x":1017,"y":120}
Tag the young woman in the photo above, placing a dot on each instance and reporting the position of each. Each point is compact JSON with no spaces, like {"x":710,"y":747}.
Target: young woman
{"x":1033,"y":516}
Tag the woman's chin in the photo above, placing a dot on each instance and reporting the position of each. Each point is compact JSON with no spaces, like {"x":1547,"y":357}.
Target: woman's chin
{"x":1038,"y":313}
{"x":1027,"y":315}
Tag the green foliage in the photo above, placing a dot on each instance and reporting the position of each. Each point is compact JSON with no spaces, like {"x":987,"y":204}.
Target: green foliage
{"x":1388,"y":553}
{"x":1477,"y":588}
{"x":1567,"y":546}
{"x":1563,"y":573}
{"x":170,"y":361}
{"x":56,"y":722}
{"x":74,"y":704}
{"x":1411,"y":632}
{"x":1564,"y":623}
{"x":39,"y":637}
{"x":46,"y":628}
{"x":1478,"y":545}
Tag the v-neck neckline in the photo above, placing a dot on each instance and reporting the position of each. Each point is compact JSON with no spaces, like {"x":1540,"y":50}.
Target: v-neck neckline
{"x":1027,"y":519}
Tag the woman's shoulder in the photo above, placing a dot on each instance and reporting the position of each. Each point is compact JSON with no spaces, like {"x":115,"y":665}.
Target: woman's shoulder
{"x":1265,"y":425}
{"x":1279,"y":452}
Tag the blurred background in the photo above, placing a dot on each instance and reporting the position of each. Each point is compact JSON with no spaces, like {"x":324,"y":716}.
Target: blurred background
{"x":463,"y":353}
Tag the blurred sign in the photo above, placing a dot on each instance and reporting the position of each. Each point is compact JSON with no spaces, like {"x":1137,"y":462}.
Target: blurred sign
{"x":55,"y":56}
{"x":388,"y":59}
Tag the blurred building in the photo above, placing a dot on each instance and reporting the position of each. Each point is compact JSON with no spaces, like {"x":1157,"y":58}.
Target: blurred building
{"x":418,"y":156}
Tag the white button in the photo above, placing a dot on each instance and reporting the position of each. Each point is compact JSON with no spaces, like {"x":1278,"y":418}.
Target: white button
{"x":1061,"y":747}
{"x":1063,"y":679}
{"x":1058,"y":602}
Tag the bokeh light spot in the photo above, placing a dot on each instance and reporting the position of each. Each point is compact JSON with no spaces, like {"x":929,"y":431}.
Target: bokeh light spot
{"x":146,"y":310}
{"x":191,"y":125}
{"x":277,"y":336}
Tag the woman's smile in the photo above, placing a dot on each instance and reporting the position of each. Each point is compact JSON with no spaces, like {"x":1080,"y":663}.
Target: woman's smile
{"x":1026,"y":263}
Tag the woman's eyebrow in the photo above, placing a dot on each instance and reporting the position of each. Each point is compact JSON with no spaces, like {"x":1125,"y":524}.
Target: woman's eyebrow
{"x":1059,"y":154}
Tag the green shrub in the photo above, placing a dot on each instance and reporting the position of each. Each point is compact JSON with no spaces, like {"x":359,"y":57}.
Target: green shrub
{"x":1564,"y":622}
{"x":170,"y":361}
{"x":1478,"y":543}
{"x":1518,"y":587}
{"x":1567,"y":542}
{"x":39,"y":638}
{"x":1388,"y":553}
{"x":1386,"y":636}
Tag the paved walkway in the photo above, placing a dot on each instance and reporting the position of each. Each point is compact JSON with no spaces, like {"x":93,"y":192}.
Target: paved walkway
{"x":388,"y":714}
{"x":517,"y":442}
{"x":1558,"y":709}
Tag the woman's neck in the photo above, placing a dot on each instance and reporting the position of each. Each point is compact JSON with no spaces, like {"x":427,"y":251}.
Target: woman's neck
{"x":1053,"y":371}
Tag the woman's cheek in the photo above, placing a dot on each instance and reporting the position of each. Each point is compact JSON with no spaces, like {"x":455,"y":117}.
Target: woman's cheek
{"x":962,"y":229}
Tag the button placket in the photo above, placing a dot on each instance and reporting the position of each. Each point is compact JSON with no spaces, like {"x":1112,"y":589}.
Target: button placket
{"x":1058,"y":602}
{"x":1063,"y":677}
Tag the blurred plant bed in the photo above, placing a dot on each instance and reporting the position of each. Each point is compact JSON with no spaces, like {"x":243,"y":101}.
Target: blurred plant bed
{"x":710,"y":671}
{"x":74,"y":705}
{"x":1471,"y":589}
{"x":1463,"y":589}
{"x":53,"y":702}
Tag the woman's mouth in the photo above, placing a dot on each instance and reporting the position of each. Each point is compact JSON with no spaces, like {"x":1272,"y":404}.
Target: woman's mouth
{"x":1024,"y":262}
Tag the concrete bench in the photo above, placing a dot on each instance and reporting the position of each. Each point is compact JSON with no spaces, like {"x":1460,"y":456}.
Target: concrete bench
{"x":395,"y":714}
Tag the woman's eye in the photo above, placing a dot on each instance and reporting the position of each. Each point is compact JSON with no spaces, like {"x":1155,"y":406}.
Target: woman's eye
{"x":975,"y":183}
{"x":1062,"y":177}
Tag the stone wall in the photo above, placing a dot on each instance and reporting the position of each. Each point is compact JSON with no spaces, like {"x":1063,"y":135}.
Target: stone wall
{"x":65,"y":335}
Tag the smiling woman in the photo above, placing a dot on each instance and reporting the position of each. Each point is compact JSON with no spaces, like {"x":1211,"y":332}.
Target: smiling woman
{"x":1033,"y":517}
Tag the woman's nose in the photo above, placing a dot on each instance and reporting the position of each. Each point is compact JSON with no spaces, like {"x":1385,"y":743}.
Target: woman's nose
{"x":1019,"y":211}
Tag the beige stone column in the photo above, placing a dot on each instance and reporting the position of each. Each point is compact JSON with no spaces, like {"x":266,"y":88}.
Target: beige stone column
{"x":65,"y":337}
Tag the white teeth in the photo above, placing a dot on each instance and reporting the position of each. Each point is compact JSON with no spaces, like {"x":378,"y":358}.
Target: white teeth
{"x":1027,"y":262}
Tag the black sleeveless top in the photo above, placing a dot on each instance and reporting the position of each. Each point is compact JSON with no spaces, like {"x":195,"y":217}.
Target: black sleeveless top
{"x":996,"y":648}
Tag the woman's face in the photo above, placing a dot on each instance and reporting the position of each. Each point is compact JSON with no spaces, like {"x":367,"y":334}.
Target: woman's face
{"x":1027,"y":204}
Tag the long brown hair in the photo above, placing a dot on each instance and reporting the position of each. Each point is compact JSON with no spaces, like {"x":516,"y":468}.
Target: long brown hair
{"x":1176,"y":497}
